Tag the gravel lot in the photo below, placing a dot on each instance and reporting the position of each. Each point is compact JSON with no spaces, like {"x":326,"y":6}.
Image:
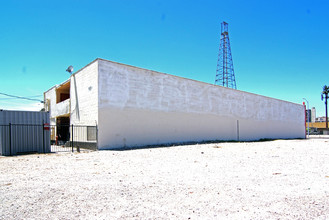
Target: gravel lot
{"x":282,"y":179}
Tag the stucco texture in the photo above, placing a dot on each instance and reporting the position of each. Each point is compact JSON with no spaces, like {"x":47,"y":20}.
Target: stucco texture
{"x":139,"y":107}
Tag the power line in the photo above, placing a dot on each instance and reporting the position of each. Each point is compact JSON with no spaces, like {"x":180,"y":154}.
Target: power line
{"x":20,"y":97}
{"x":11,"y":98}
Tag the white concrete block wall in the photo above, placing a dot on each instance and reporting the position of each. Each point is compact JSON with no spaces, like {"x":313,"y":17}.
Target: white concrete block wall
{"x":141,"y":107}
{"x":51,"y":96}
{"x":86,"y":91}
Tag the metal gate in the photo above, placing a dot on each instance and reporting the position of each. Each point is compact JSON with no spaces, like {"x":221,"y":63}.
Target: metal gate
{"x":71,"y":138}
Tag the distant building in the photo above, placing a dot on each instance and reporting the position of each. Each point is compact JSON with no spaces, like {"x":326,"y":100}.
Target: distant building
{"x":313,"y":115}
{"x":318,"y":127}
{"x":308,"y":115}
{"x":320,"y":119}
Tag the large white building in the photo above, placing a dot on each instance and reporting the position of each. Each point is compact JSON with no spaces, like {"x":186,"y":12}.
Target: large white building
{"x":138,"y":107}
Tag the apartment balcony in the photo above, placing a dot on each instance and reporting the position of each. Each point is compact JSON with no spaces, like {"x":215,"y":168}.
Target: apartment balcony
{"x":61,"y":108}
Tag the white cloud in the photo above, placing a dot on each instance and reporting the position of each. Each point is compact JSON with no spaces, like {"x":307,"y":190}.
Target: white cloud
{"x":22,"y":106}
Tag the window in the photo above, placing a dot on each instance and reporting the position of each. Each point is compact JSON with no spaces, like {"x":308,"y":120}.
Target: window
{"x":91,"y":133}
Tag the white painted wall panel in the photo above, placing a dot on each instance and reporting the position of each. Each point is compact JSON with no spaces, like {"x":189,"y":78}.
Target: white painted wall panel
{"x":51,"y":96}
{"x":143,"y":107}
{"x":61,"y":108}
{"x":84,"y":88}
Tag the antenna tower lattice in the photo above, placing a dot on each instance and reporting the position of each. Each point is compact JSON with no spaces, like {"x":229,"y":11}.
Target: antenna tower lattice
{"x":225,"y":72}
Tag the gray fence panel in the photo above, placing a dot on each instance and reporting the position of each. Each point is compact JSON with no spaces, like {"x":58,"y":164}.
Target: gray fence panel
{"x":16,"y":139}
{"x":23,"y":131}
{"x":4,"y":140}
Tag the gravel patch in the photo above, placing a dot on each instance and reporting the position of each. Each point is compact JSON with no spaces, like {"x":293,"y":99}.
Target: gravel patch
{"x":282,"y":179}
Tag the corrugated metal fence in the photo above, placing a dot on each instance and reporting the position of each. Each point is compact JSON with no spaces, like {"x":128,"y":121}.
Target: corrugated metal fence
{"x":27,"y":132}
{"x":23,"y":132}
{"x":24,"y":138}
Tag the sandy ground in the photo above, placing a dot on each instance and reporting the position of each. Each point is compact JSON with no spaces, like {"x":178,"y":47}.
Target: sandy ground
{"x":283,"y":179}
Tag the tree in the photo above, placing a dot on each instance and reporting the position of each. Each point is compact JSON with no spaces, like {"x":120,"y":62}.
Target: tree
{"x":324,"y":95}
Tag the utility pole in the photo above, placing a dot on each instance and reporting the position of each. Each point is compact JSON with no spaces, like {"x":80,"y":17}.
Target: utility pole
{"x":324,"y":95}
{"x":225,"y":71}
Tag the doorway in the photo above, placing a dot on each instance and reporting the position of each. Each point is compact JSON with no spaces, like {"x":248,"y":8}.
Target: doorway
{"x":63,"y":129}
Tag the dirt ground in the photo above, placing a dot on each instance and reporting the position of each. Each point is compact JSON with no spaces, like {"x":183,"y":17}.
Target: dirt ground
{"x":282,"y":179}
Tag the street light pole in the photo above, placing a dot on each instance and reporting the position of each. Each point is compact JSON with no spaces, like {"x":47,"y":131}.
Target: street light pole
{"x":308,"y":118}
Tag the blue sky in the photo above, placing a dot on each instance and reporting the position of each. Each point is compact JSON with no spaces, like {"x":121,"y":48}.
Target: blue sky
{"x":280,"y":48}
